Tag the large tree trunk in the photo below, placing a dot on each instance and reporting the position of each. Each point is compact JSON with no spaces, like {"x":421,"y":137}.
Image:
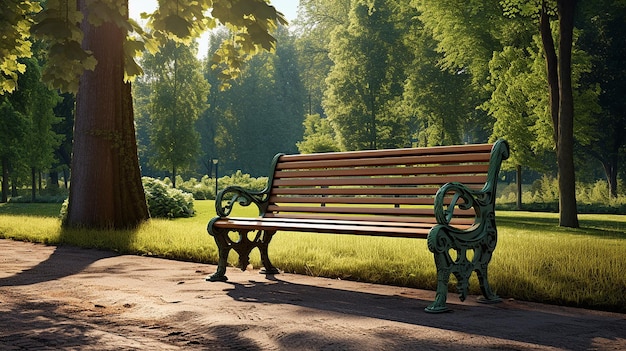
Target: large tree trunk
{"x":565,"y":150}
{"x":106,"y":189}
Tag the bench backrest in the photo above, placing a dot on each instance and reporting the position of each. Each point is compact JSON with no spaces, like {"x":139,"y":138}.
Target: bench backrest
{"x":380,"y":185}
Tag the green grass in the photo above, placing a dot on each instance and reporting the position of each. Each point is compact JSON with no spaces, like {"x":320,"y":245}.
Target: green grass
{"x":535,"y":259}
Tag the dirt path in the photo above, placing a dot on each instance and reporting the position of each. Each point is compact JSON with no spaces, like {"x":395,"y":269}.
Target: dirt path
{"x":55,"y":298}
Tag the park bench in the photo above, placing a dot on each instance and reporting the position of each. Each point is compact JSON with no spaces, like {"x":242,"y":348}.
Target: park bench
{"x":444,"y":194}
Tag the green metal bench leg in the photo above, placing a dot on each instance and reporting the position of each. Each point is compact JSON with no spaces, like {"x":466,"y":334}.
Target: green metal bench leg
{"x":223,"y":250}
{"x":264,"y":242}
{"x":488,"y":295}
{"x":439,"y":305}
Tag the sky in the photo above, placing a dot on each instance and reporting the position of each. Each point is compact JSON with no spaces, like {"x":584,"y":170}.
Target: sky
{"x":135,"y":7}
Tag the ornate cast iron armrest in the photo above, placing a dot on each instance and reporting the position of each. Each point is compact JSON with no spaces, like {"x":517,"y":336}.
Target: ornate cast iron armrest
{"x":238,"y":195}
{"x":463,"y":198}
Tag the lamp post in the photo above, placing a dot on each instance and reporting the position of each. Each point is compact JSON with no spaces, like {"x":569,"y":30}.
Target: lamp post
{"x":215,"y":161}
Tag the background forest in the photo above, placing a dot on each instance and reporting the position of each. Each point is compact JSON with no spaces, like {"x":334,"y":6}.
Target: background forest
{"x":353,"y":75}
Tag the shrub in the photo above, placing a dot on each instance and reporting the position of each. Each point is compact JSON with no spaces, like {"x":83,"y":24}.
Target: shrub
{"x":45,"y":199}
{"x":165,"y":201}
{"x":244,"y":181}
{"x":204,"y":189}
{"x":543,"y":195}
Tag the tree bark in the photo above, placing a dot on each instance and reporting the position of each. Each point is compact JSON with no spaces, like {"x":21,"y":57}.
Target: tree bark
{"x":565,"y":151}
{"x":106,"y":189}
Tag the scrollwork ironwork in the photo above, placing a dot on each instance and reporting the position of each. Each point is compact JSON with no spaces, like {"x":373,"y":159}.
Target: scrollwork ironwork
{"x":238,"y":195}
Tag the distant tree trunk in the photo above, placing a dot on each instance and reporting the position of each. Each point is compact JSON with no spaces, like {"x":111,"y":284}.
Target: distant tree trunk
{"x":13,"y":178}
{"x":518,"y":181}
{"x":174,"y":177}
{"x":610,"y":169}
{"x":5,"y":179}
{"x":106,"y":189}
{"x":66,"y":175}
{"x":33,"y":184}
{"x":609,"y":158}
{"x":54,"y":180}
{"x":565,"y":149}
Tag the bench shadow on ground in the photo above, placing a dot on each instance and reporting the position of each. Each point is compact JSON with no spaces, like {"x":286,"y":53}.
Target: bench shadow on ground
{"x":501,"y":321}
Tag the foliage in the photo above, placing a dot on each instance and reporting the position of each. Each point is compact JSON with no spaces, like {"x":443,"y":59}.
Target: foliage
{"x":366,"y":78}
{"x":42,"y":199}
{"x":316,"y":21}
{"x":59,"y":24}
{"x":204,"y":189}
{"x":165,"y":201}
{"x":543,"y":195}
{"x":29,"y":140}
{"x":259,"y":116}
{"x":319,"y":136}
{"x":15,"y":22}
{"x":602,"y":39}
{"x":177,"y":96}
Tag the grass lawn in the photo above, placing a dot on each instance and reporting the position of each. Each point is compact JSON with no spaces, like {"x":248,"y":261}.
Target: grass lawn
{"x":535,"y":260}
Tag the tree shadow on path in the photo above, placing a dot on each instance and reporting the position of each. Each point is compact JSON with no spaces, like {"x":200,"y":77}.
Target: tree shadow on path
{"x":61,"y":261}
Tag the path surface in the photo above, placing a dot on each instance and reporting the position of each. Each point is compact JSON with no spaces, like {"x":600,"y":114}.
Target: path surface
{"x":55,"y":298}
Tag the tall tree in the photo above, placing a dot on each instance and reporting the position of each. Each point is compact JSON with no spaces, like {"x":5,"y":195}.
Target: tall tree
{"x":264,"y":106}
{"x":559,"y":77}
{"x":34,"y":141}
{"x":317,"y":19}
{"x":442,"y":120}
{"x":602,"y":37}
{"x":64,"y":110}
{"x":41,"y":140}
{"x":178,"y":96}
{"x":91,"y":35}
{"x":12,"y":133}
{"x":366,"y":78}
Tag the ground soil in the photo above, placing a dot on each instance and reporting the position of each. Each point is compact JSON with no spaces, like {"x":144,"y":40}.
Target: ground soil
{"x":55,"y":298}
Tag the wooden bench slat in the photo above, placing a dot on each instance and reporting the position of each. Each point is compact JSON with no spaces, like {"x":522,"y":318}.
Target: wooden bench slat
{"x":400,"y":219}
{"x":383,"y":161}
{"x":354,"y":200}
{"x":357,"y":191}
{"x":343,"y":220}
{"x":329,"y":227}
{"x":361,"y":210}
{"x":383,"y":171}
{"x":437,"y":150}
{"x":360,"y":200}
{"x":362,"y":181}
